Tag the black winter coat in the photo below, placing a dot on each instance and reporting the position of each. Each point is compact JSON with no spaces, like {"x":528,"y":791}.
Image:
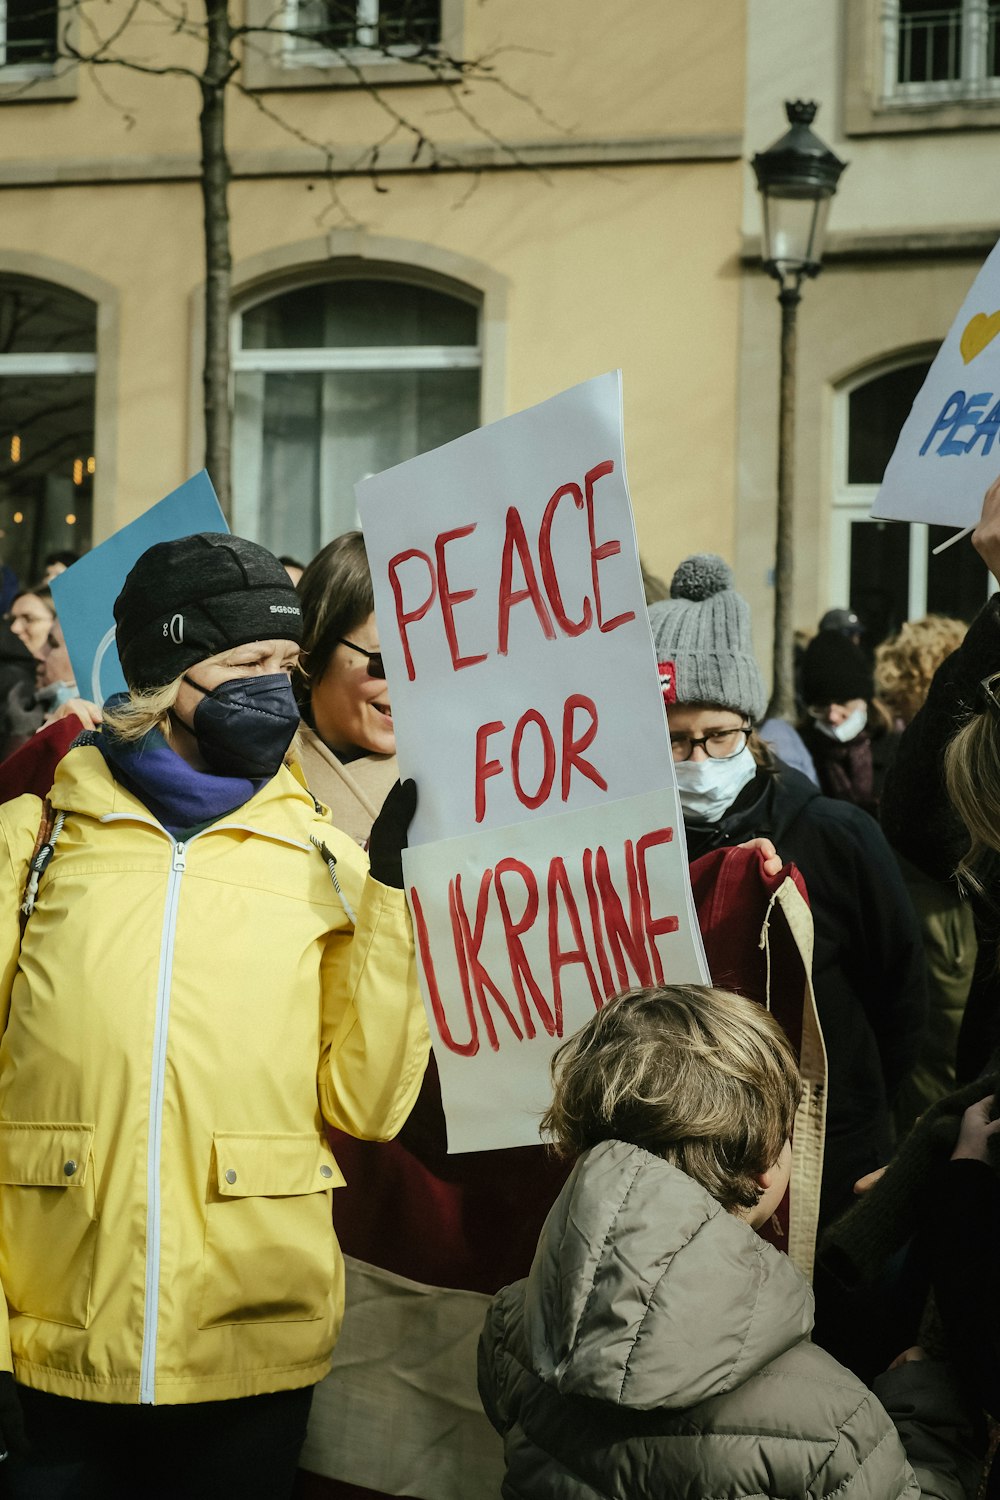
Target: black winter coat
{"x":837,"y":765}
{"x":869,"y":970}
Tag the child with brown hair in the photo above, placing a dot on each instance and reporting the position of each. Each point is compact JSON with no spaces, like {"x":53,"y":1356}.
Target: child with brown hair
{"x":660,"y":1348}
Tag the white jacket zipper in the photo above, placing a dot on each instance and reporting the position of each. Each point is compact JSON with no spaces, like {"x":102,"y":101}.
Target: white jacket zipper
{"x":147,"y":1371}
{"x":147,"y":1368}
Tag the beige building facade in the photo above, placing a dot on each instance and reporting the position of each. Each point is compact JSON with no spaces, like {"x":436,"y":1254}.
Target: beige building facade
{"x":569,"y":205}
{"x":910,"y":98}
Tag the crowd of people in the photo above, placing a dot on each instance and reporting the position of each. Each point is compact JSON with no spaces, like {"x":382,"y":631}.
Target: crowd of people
{"x":214,"y":1049}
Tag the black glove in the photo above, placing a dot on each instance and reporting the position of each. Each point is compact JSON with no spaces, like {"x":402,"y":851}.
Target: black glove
{"x":13,"y":1438}
{"x":388,"y":835}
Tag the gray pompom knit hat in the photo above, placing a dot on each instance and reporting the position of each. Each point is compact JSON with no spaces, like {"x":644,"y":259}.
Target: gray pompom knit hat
{"x":704,"y":630}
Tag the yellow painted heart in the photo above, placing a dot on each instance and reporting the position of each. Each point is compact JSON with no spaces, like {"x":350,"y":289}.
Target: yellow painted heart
{"x":977,"y":333}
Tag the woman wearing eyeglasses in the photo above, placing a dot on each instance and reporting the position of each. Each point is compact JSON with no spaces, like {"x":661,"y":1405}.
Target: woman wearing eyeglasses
{"x":30,"y":617}
{"x":868,"y":968}
{"x":429,"y":1237}
{"x":347,"y":743}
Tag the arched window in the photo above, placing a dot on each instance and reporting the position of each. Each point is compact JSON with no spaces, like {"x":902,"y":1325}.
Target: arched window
{"x":47,"y":370}
{"x":886,"y":570}
{"x":338,"y":380}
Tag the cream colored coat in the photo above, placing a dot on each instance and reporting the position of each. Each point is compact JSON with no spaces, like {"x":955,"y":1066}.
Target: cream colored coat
{"x":179,"y":1020}
{"x":353,"y":790}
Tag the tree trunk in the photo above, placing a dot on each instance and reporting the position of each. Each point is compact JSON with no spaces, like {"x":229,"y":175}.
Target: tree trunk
{"x":215,"y":175}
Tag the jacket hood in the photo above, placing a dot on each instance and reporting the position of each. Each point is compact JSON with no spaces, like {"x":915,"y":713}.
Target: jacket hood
{"x":282,"y":809}
{"x":646,"y":1293}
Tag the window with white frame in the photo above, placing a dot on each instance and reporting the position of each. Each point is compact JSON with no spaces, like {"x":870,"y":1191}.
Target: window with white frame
{"x":886,"y":570}
{"x":325,"y":32}
{"x":47,"y":372}
{"x":337,"y":380}
{"x":28,"y":36}
{"x":940,"y":50}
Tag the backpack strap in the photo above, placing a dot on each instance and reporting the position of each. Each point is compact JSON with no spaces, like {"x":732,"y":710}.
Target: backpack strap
{"x":49,"y":829}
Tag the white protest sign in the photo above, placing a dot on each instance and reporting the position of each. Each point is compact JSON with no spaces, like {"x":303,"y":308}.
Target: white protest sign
{"x":522,"y":933}
{"x":948,"y":453}
{"x":547,"y":866}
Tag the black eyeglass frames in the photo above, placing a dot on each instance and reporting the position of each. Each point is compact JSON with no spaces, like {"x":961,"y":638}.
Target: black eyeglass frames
{"x":375,"y":666}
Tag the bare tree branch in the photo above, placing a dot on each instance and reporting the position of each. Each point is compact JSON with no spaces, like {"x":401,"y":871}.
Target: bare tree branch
{"x":208,"y":22}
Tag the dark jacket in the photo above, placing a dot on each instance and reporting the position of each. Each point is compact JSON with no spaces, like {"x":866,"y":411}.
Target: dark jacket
{"x":963,"y":1271}
{"x":869,"y":971}
{"x":856,"y":771}
{"x":921,"y":823}
{"x":659,"y":1350}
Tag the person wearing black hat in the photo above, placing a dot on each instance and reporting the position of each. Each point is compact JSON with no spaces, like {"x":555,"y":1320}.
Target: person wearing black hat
{"x":205,"y":971}
{"x":847,"y":731}
{"x":845,"y":622}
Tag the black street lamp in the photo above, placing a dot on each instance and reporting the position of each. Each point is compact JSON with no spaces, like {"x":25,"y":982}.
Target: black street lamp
{"x":797,"y":177}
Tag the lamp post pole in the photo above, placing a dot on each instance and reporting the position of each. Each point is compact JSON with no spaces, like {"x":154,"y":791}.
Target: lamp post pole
{"x":783,"y":673}
{"x":797,"y":177}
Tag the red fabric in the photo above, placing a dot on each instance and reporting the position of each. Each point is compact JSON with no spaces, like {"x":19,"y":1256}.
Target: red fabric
{"x":468,"y":1221}
{"x":32,"y":767}
{"x":732,"y":893}
{"x":668,"y":681}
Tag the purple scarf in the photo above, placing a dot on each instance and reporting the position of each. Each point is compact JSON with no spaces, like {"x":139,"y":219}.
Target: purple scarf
{"x":179,"y":796}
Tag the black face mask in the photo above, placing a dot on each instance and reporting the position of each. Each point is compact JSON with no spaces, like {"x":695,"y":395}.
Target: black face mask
{"x":245,"y":726}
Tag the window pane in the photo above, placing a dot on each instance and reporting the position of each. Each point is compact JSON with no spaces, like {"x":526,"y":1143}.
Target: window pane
{"x":46,"y":439}
{"x":876,"y":413}
{"x":880,"y":569}
{"x":352,"y":314}
{"x":39,"y":318}
{"x":319,"y":433}
{"x":30,"y":31}
{"x":957,"y":580}
{"x":409,"y":22}
{"x":993,"y":41}
{"x":338,"y":24}
{"x":930,"y":41}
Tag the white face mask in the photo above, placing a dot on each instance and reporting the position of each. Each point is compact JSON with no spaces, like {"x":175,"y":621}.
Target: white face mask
{"x":849,"y":729}
{"x":708,"y":788}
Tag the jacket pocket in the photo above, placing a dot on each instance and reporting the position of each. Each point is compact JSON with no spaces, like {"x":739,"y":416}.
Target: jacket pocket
{"x":269,"y":1243}
{"x":48,"y":1220}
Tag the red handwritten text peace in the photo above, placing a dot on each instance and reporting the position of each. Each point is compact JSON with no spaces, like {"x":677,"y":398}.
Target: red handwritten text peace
{"x":419,"y":580}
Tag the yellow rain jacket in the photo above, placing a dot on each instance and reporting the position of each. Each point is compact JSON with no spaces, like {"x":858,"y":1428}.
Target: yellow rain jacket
{"x":178,"y":1021}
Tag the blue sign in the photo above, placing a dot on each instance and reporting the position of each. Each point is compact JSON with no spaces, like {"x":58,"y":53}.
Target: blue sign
{"x":84,"y":595}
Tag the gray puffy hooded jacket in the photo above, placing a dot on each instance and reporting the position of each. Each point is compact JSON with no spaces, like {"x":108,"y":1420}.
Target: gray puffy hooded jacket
{"x":659,"y":1350}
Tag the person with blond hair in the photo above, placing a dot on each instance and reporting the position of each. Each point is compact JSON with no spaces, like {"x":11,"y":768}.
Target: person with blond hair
{"x":205,"y":971}
{"x":659,"y":1347}
{"x":905,"y":663}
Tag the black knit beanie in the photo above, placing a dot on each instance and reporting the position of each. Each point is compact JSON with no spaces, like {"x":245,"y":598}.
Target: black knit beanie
{"x":834,"y":670}
{"x":196,"y":596}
